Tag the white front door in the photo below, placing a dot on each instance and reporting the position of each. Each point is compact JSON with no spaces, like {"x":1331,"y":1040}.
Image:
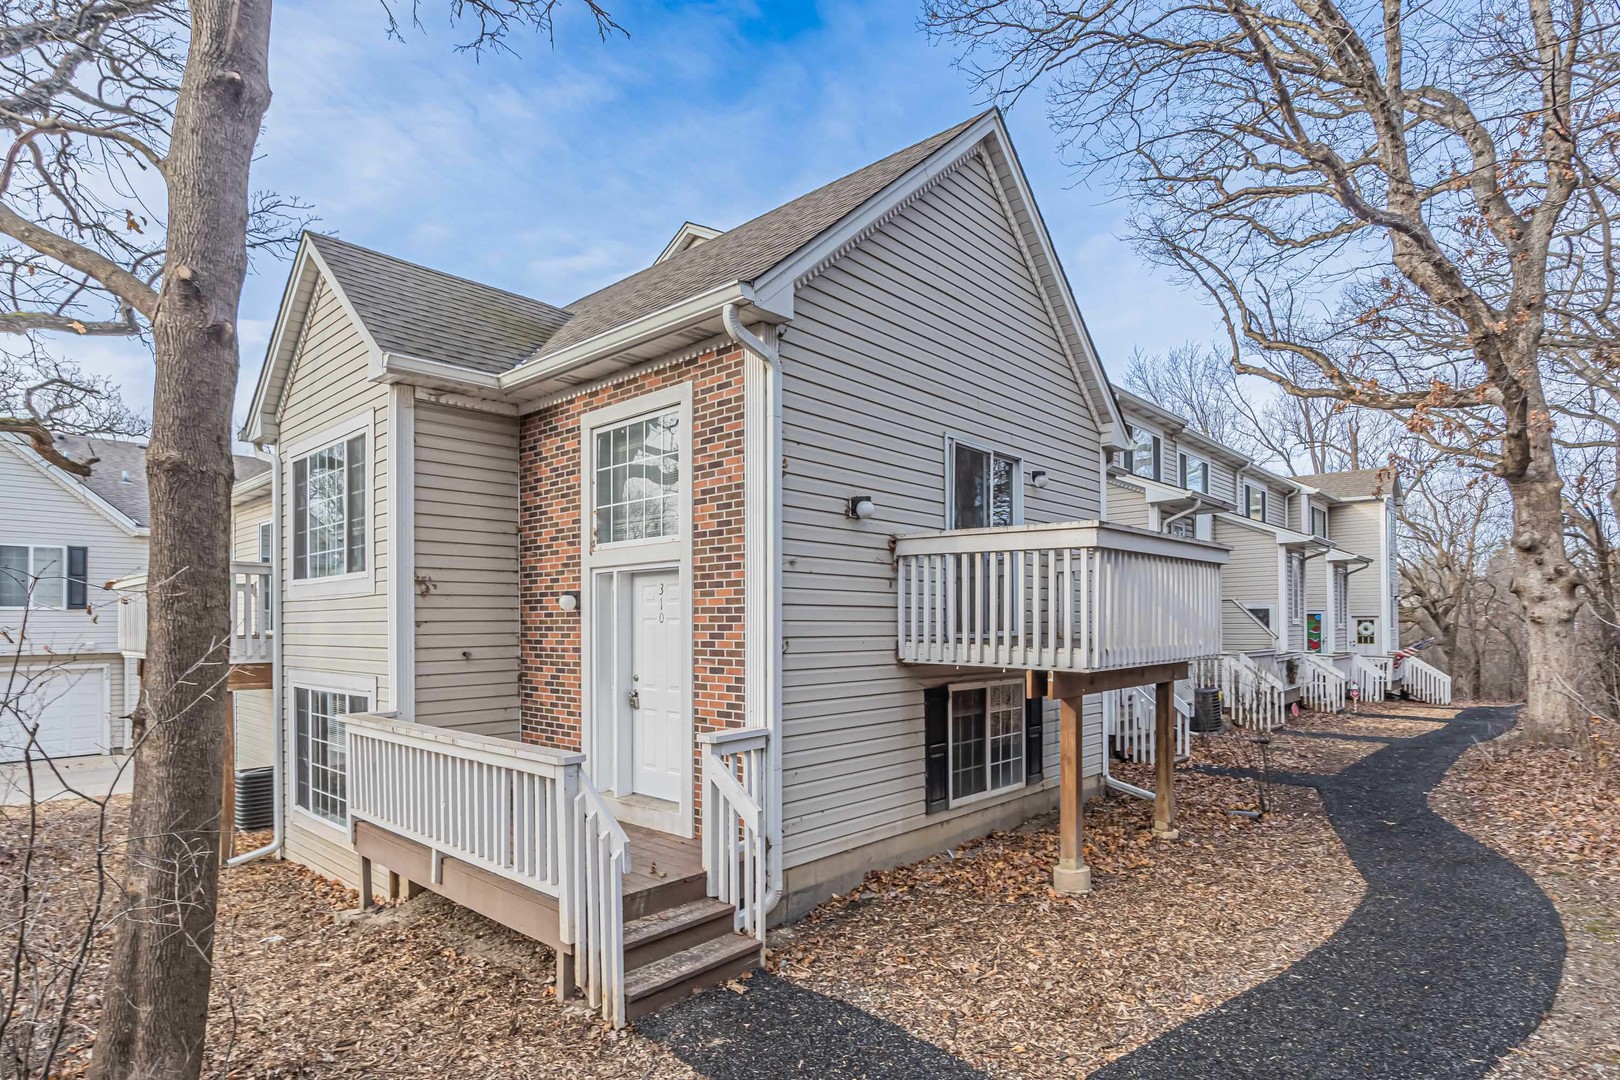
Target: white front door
{"x":660,"y":731}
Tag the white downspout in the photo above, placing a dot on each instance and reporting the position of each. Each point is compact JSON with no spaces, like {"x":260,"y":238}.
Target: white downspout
{"x":277,"y":773}
{"x":771,"y":495}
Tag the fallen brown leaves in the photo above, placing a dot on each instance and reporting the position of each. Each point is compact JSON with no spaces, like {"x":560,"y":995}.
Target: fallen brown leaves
{"x":972,"y":950}
{"x":1556,"y":812}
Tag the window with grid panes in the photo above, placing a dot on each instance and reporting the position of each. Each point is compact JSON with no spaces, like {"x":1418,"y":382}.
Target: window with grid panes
{"x":986,"y":739}
{"x":329,"y":510}
{"x":322,"y":771}
{"x":638,"y":476}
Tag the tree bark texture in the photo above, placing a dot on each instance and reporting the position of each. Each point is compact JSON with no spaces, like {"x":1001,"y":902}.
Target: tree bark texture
{"x":153,"y":1021}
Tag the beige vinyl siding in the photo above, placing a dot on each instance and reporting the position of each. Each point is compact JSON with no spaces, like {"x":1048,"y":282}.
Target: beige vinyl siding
{"x":467,"y":561}
{"x":1222,"y":479}
{"x":1127,"y":504}
{"x":1359,"y":527}
{"x":1249,"y":576}
{"x":36,"y":509}
{"x":345,"y":635}
{"x":932,"y":325}
{"x":255,"y":746}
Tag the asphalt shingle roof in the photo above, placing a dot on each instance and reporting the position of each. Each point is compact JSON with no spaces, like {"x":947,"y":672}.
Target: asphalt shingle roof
{"x":1355,"y":484}
{"x":740,"y":254}
{"x":431,"y":315}
{"x":120,"y":458}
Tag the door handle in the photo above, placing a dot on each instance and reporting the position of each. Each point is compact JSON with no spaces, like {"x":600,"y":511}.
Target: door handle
{"x":635,"y":699}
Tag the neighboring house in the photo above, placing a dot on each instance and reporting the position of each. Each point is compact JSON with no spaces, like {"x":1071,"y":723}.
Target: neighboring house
{"x":637,"y":621}
{"x":1310,"y":574}
{"x":72,"y":537}
{"x":62,"y":537}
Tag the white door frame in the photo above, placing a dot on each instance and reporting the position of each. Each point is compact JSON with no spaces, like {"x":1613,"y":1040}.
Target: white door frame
{"x":597,"y":676}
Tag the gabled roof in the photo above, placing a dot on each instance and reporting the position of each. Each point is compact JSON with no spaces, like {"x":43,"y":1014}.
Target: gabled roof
{"x":740,"y":254}
{"x":431,"y":315}
{"x":690,"y":234}
{"x":118,"y":473}
{"x":1355,"y":484}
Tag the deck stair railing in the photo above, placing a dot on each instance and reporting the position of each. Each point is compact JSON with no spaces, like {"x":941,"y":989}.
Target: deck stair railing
{"x":1252,"y":695}
{"x":1322,"y":685}
{"x":735,"y":844}
{"x":522,"y":812}
{"x":1371,"y":678}
{"x":1426,"y":682}
{"x":1129,"y":719}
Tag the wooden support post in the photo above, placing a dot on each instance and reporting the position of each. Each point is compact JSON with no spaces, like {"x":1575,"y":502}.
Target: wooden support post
{"x":566,"y":987}
{"x":393,"y":887}
{"x":413,"y":890}
{"x":1071,"y":875}
{"x":1164,"y":762}
{"x":227,"y":802}
{"x":365,"y":884}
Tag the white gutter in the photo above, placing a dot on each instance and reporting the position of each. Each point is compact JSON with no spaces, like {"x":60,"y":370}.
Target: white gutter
{"x":278,"y":811}
{"x":771,"y":496}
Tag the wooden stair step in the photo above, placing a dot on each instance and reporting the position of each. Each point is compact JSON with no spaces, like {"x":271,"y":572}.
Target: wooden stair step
{"x":672,"y":930}
{"x":702,"y":966}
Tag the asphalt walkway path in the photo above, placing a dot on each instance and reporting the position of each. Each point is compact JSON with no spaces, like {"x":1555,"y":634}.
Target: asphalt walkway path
{"x":1451,"y":959}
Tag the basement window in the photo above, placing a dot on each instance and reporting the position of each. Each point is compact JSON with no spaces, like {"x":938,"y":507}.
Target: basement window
{"x":986,"y":740}
{"x":318,"y":750}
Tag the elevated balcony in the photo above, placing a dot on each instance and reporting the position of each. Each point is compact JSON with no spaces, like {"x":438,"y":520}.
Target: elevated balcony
{"x":1085,"y":598}
{"x":252,"y":622}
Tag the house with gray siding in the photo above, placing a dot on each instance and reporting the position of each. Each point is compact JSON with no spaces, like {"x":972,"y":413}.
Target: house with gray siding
{"x":642,"y":621}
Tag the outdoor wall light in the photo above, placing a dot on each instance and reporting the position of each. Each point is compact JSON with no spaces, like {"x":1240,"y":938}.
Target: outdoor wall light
{"x":859,"y":507}
{"x":1038,"y":478}
{"x":568,"y":601}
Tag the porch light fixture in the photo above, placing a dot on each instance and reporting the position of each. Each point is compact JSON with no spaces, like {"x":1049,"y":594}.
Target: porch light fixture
{"x":1038,"y":478}
{"x":859,"y":507}
{"x":568,"y":601}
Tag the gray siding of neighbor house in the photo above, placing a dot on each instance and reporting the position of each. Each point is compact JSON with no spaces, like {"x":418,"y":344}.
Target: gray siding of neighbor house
{"x":1250,"y":575}
{"x":1359,"y":527}
{"x":466,"y":519}
{"x":325,"y":635}
{"x":255,"y":745}
{"x":1127,"y":504}
{"x":932,"y":325}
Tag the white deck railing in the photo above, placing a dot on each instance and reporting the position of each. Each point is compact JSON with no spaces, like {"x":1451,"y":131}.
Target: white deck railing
{"x":1130,"y":719}
{"x":1322,"y":685}
{"x":735,"y":775}
{"x":522,"y":812}
{"x":1080,"y":597}
{"x":1426,"y":682}
{"x":1252,"y":695}
{"x":1371,"y":679}
{"x":252,"y":625}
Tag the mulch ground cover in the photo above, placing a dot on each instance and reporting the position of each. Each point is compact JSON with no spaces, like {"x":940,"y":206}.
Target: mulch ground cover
{"x":1556,"y":813}
{"x":970,"y":950}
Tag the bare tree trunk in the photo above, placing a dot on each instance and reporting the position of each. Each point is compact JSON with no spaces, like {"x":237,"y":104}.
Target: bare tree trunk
{"x":157,"y":992}
{"x":1546,"y":582}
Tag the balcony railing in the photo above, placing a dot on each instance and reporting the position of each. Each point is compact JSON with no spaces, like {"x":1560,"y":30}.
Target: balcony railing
{"x":1077,"y":597}
{"x":252,"y":634}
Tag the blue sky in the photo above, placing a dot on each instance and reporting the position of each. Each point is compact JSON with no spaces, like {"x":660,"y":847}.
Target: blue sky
{"x":554,"y":172}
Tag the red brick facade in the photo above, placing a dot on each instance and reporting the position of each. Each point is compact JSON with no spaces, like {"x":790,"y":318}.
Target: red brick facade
{"x":550,"y":547}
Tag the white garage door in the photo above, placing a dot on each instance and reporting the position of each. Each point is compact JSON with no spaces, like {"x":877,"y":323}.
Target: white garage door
{"x":70,"y":705}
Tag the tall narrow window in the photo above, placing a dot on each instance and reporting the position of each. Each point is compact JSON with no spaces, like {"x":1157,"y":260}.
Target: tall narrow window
{"x":1319,"y":522}
{"x":987,"y":739}
{"x":1254,"y":500}
{"x":322,"y":767}
{"x":1341,"y":597}
{"x":1143,"y":458}
{"x":986,"y":488}
{"x":636,"y":495}
{"x":329,"y":510}
{"x":1194,"y":473}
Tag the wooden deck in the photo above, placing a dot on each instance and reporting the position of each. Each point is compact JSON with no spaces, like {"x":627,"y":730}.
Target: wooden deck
{"x":664,"y":870}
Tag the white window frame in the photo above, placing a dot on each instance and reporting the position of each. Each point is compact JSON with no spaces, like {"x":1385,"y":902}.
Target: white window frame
{"x":1341,"y":599}
{"x":266,"y":534}
{"x":1156,"y":441}
{"x":608,"y":419}
{"x":1315,"y":510}
{"x":1252,"y":488}
{"x":954,"y":440}
{"x":1296,"y":588}
{"x":952,"y":802}
{"x":31,"y":586}
{"x":354,"y":582}
{"x":1184,"y":466}
{"x":328,"y":682}
{"x":1252,"y":607}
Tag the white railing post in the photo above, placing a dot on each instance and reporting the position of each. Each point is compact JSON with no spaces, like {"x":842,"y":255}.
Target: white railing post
{"x":735,"y":848}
